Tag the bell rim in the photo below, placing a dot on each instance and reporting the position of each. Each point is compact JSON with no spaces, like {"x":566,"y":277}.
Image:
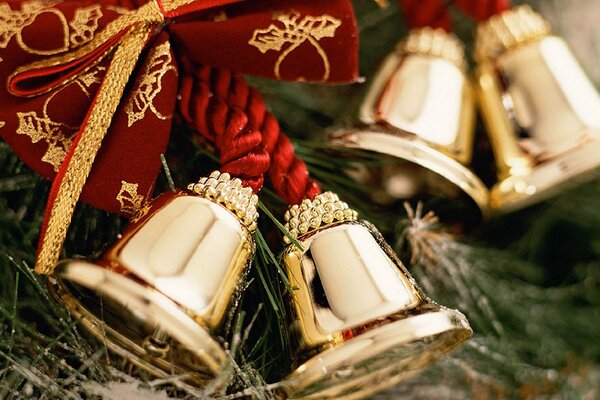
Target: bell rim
{"x":214,"y":358}
{"x":443,"y":329}
{"x":564,"y":172}
{"x":415,"y":150}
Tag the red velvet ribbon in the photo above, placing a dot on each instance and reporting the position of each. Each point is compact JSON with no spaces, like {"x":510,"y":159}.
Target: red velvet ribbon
{"x":42,"y":109}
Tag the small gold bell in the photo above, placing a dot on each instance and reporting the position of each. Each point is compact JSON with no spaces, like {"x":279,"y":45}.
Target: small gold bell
{"x":161,"y":292}
{"x":360,"y":322}
{"x":540,"y":109}
{"x":421,"y":108}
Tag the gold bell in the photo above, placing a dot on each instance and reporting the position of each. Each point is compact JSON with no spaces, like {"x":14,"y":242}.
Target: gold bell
{"x":360,"y":322}
{"x":541,"y":111}
{"x":421,"y":108}
{"x":161,"y":293}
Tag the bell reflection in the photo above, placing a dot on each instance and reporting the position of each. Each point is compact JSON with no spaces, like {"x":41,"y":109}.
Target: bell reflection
{"x":161,"y":294}
{"x":189,"y":251}
{"x":360,"y":322}
{"x":371,"y":286}
{"x":421,"y":108}
{"x":539,"y":107}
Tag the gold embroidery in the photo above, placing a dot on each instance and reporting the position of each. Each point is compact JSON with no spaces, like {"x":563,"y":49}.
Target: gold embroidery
{"x":128,"y":197}
{"x":151,"y":84}
{"x":118,"y":9}
{"x":2,"y":123}
{"x":12,"y":23}
{"x":144,"y":21}
{"x":132,"y":203}
{"x":57,"y":135}
{"x":84,"y":24}
{"x":294,"y":32}
{"x":172,"y":5}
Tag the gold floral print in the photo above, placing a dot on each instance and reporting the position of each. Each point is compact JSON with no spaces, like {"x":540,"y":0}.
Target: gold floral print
{"x":149,"y":87}
{"x":84,"y":24}
{"x":75,"y":33}
{"x":57,"y":135}
{"x":132,"y":203}
{"x":293,"y":31}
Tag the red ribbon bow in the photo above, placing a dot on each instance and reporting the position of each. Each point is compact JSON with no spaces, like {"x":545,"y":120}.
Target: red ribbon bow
{"x":65,"y":61}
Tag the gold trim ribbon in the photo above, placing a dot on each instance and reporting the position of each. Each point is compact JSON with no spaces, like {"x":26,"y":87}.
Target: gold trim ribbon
{"x":135,"y":27}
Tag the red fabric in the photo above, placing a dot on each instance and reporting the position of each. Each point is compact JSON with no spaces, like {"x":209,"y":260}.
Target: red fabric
{"x":422,"y":13}
{"x":213,"y":102}
{"x":482,"y":9}
{"x":37,"y":81}
{"x":219,"y":37}
{"x":435,"y":13}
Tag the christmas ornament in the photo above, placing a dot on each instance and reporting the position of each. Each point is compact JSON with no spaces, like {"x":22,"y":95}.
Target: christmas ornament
{"x":167,"y":302}
{"x":170,"y":281}
{"x":158,"y":268}
{"x":67,"y":65}
{"x":360,"y":321}
{"x":420,"y":107}
{"x":161,"y":294}
{"x":340,"y":257}
{"x":539,"y":108}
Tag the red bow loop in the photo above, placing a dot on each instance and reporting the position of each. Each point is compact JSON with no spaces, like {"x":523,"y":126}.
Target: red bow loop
{"x":91,"y":87}
{"x":47,"y":75}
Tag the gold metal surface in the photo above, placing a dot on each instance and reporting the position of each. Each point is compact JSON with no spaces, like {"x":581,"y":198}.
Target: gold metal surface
{"x":539,"y":108}
{"x":360,"y":322}
{"x":123,"y":315}
{"x":420,"y":108}
{"x":191,"y":250}
{"x":222,"y":189}
{"x":434,"y":42}
{"x":405,"y":146}
{"x":508,"y":30}
{"x":161,"y":294}
{"x":422,"y":90}
{"x":310,"y":215}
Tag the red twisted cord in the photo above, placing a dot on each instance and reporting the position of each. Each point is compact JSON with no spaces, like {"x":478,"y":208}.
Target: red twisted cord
{"x":481,"y":10}
{"x":434,"y":13}
{"x":233,"y":116}
{"x":422,"y":13}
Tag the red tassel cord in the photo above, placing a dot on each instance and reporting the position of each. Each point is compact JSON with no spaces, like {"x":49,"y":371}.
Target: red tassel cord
{"x":233,"y":116}
{"x":435,"y":13}
{"x":422,"y":13}
{"x":480,"y":10}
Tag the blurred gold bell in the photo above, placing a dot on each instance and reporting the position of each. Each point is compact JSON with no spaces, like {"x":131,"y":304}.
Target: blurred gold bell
{"x":159,"y":296}
{"x":541,"y":111}
{"x":420,"y":108}
{"x":360,"y":322}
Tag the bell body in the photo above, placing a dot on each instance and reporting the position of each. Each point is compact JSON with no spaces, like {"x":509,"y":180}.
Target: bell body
{"x":191,"y":250}
{"x":360,"y":322}
{"x":540,"y":110}
{"x":426,"y":96}
{"x":160,"y":295}
{"x":420,"y":108}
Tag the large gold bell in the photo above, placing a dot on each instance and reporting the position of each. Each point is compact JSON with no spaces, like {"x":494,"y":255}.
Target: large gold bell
{"x":360,"y":323}
{"x":421,"y":108}
{"x":541,"y":111}
{"x":159,"y":296}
